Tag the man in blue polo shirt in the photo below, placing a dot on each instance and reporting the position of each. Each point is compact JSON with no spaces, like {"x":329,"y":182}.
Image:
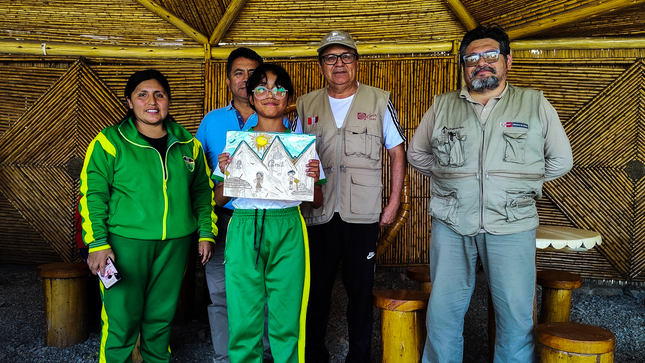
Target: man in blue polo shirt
{"x":236,"y":116}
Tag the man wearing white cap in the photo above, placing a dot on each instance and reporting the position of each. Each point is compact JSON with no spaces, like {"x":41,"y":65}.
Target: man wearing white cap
{"x":351,"y":122}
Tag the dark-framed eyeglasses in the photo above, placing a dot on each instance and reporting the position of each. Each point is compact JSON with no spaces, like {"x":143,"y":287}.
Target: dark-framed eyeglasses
{"x":346,"y":58}
{"x":261,"y":92}
{"x":490,"y":56}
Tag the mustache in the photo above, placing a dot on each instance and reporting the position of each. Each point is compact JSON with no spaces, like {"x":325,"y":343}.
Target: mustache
{"x":482,"y":68}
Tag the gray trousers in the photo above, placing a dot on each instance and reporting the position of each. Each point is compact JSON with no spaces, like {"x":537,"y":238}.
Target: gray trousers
{"x":217,"y":312}
{"x":509,"y":265}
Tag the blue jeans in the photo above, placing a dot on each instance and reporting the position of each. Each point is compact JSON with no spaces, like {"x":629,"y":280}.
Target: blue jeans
{"x":509,"y":265}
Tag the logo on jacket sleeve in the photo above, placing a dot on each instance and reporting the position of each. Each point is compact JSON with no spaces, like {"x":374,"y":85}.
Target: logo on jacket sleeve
{"x":312,"y":120}
{"x":190,"y":163}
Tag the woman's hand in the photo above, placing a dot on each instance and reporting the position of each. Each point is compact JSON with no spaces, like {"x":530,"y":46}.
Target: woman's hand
{"x":313,"y":169}
{"x":223,"y":160}
{"x":97,"y":260}
{"x":205,"y":250}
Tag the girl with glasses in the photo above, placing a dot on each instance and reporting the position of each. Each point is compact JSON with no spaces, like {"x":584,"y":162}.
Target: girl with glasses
{"x":266,"y":248}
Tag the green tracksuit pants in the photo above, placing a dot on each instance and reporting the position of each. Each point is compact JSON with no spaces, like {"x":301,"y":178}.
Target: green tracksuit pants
{"x":267,"y":253}
{"x":144,"y":300}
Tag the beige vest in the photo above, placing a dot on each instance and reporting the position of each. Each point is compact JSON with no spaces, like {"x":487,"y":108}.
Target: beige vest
{"x":487,"y":176}
{"x":350,"y":156}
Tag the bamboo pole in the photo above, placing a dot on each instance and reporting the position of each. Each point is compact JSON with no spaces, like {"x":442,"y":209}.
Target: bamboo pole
{"x":580,"y":13}
{"x":580,"y":43}
{"x":462,"y":14}
{"x":227,"y":20}
{"x":172,"y":19}
{"x":89,"y":50}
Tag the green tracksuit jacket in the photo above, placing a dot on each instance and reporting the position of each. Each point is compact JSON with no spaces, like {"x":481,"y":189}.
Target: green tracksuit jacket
{"x":127,"y":190}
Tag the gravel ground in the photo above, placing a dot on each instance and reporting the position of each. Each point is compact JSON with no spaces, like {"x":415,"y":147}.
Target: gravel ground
{"x":22,"y":337}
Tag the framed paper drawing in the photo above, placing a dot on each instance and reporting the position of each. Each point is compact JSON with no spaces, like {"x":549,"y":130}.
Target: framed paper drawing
{"x":269,"y":165}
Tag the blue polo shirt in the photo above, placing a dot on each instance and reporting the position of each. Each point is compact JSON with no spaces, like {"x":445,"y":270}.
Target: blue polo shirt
{"x":212,"y":131}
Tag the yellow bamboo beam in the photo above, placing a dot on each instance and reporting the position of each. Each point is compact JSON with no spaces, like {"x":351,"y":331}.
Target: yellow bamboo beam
{"x":363,"y":49}
{"x":570,"y":16}
{"x":89,"y":50}
{"x":184,"y":52}
{"x":579,"y":43}
{"x":462,"y":14}
{"x":172,"y":19}
{"x":227,"y":20}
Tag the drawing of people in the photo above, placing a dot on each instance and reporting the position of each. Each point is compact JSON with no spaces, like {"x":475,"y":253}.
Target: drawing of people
{"x":292,"y":178}
{"x":259,"y":177}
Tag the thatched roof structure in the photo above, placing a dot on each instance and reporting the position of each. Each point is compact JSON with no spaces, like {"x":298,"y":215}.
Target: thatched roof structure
{"x":63,"y":65}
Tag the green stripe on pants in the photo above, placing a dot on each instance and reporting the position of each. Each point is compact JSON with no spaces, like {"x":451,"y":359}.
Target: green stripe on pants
{"x":144,"y":300}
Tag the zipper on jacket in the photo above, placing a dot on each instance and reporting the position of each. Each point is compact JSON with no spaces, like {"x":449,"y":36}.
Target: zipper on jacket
{"x":338,"y":151}
{"x":524,"y":176}
{"x":481,"y":179}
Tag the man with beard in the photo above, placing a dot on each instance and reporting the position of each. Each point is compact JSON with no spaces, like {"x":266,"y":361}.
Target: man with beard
{"x":488,"y":148}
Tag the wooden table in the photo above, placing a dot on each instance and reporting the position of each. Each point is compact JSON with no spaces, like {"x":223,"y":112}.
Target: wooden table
{"x":566,"y":238}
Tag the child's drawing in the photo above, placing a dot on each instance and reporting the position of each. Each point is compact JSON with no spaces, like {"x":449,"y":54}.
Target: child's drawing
{"x":269,"y":165}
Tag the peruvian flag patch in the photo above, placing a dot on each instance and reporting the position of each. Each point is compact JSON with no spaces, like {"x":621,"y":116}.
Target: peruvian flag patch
{"x":312,"y":120}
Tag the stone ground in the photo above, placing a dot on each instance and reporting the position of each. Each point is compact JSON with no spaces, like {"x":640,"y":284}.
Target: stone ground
{"x":22,"y":324}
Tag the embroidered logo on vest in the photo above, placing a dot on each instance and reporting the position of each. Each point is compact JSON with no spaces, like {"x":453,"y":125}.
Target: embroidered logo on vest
{"x":514,"y":124}
{"x":364,"y":116}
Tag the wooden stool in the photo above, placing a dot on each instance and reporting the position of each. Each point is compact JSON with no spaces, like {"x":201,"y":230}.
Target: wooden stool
{"x":66,"y":306}
{"x":421,"y":274}
{"x":574,"y":343}
{"x":402,"y":324}
{"x":556,"y":294}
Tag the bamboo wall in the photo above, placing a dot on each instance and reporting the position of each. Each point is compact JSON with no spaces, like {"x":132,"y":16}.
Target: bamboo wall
{"x":52,"y":107}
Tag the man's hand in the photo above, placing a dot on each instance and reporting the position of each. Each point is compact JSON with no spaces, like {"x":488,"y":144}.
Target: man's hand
{"x":223,"y":160}
{"x":205,"y":250}
{"x":96,"y":260}
{"x":388,"y":215}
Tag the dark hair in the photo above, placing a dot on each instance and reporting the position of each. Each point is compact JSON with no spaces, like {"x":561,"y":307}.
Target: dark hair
{"x":260,"y":74}
{"x":142,"y":76}
{"x":241,"y":53}
{"x":482,"y":32}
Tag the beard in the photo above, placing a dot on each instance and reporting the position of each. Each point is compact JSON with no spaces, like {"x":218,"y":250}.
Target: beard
{"x":480,"y":85}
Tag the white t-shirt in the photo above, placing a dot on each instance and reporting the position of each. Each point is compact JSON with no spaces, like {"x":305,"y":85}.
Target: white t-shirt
{"x":392,"y":131}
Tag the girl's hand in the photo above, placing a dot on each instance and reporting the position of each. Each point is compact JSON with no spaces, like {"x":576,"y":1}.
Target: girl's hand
{"x":223,"y":160}
{"x":313,"y":169}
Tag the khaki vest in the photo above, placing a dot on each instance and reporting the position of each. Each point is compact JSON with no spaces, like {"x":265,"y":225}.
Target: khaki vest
{"x":350,"y":156}
{"x":487,"y":176}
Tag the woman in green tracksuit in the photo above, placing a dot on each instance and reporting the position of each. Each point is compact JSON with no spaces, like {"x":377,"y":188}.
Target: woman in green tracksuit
{"x":145,"y":190}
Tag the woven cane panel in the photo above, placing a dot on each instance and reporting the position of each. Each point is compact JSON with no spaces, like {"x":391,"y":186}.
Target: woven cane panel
{"x":306,"y":21}
{"x":19,"y":240}
{"x":41,"y":151}
{"x":202,"y":15}
{"x":87,"y":22}
{"x":20,"y":89}
{"x":628,"y":21}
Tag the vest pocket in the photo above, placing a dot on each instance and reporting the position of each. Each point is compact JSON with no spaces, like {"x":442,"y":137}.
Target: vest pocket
{"x":363,"y":140}
{"x":445,"y":207}
{"x":520,"y":204}
{"x":365,"y":194}
{"x":515,"y":145}
{"x":449,"y":149}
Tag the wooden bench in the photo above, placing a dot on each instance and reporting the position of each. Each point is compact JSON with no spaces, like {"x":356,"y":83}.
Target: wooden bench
{"x":403,"y":330}
{"x":422,"y":275}
{"x":66,"y":303}
{"x":565,"y":342}
{"x":556,"y":294}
